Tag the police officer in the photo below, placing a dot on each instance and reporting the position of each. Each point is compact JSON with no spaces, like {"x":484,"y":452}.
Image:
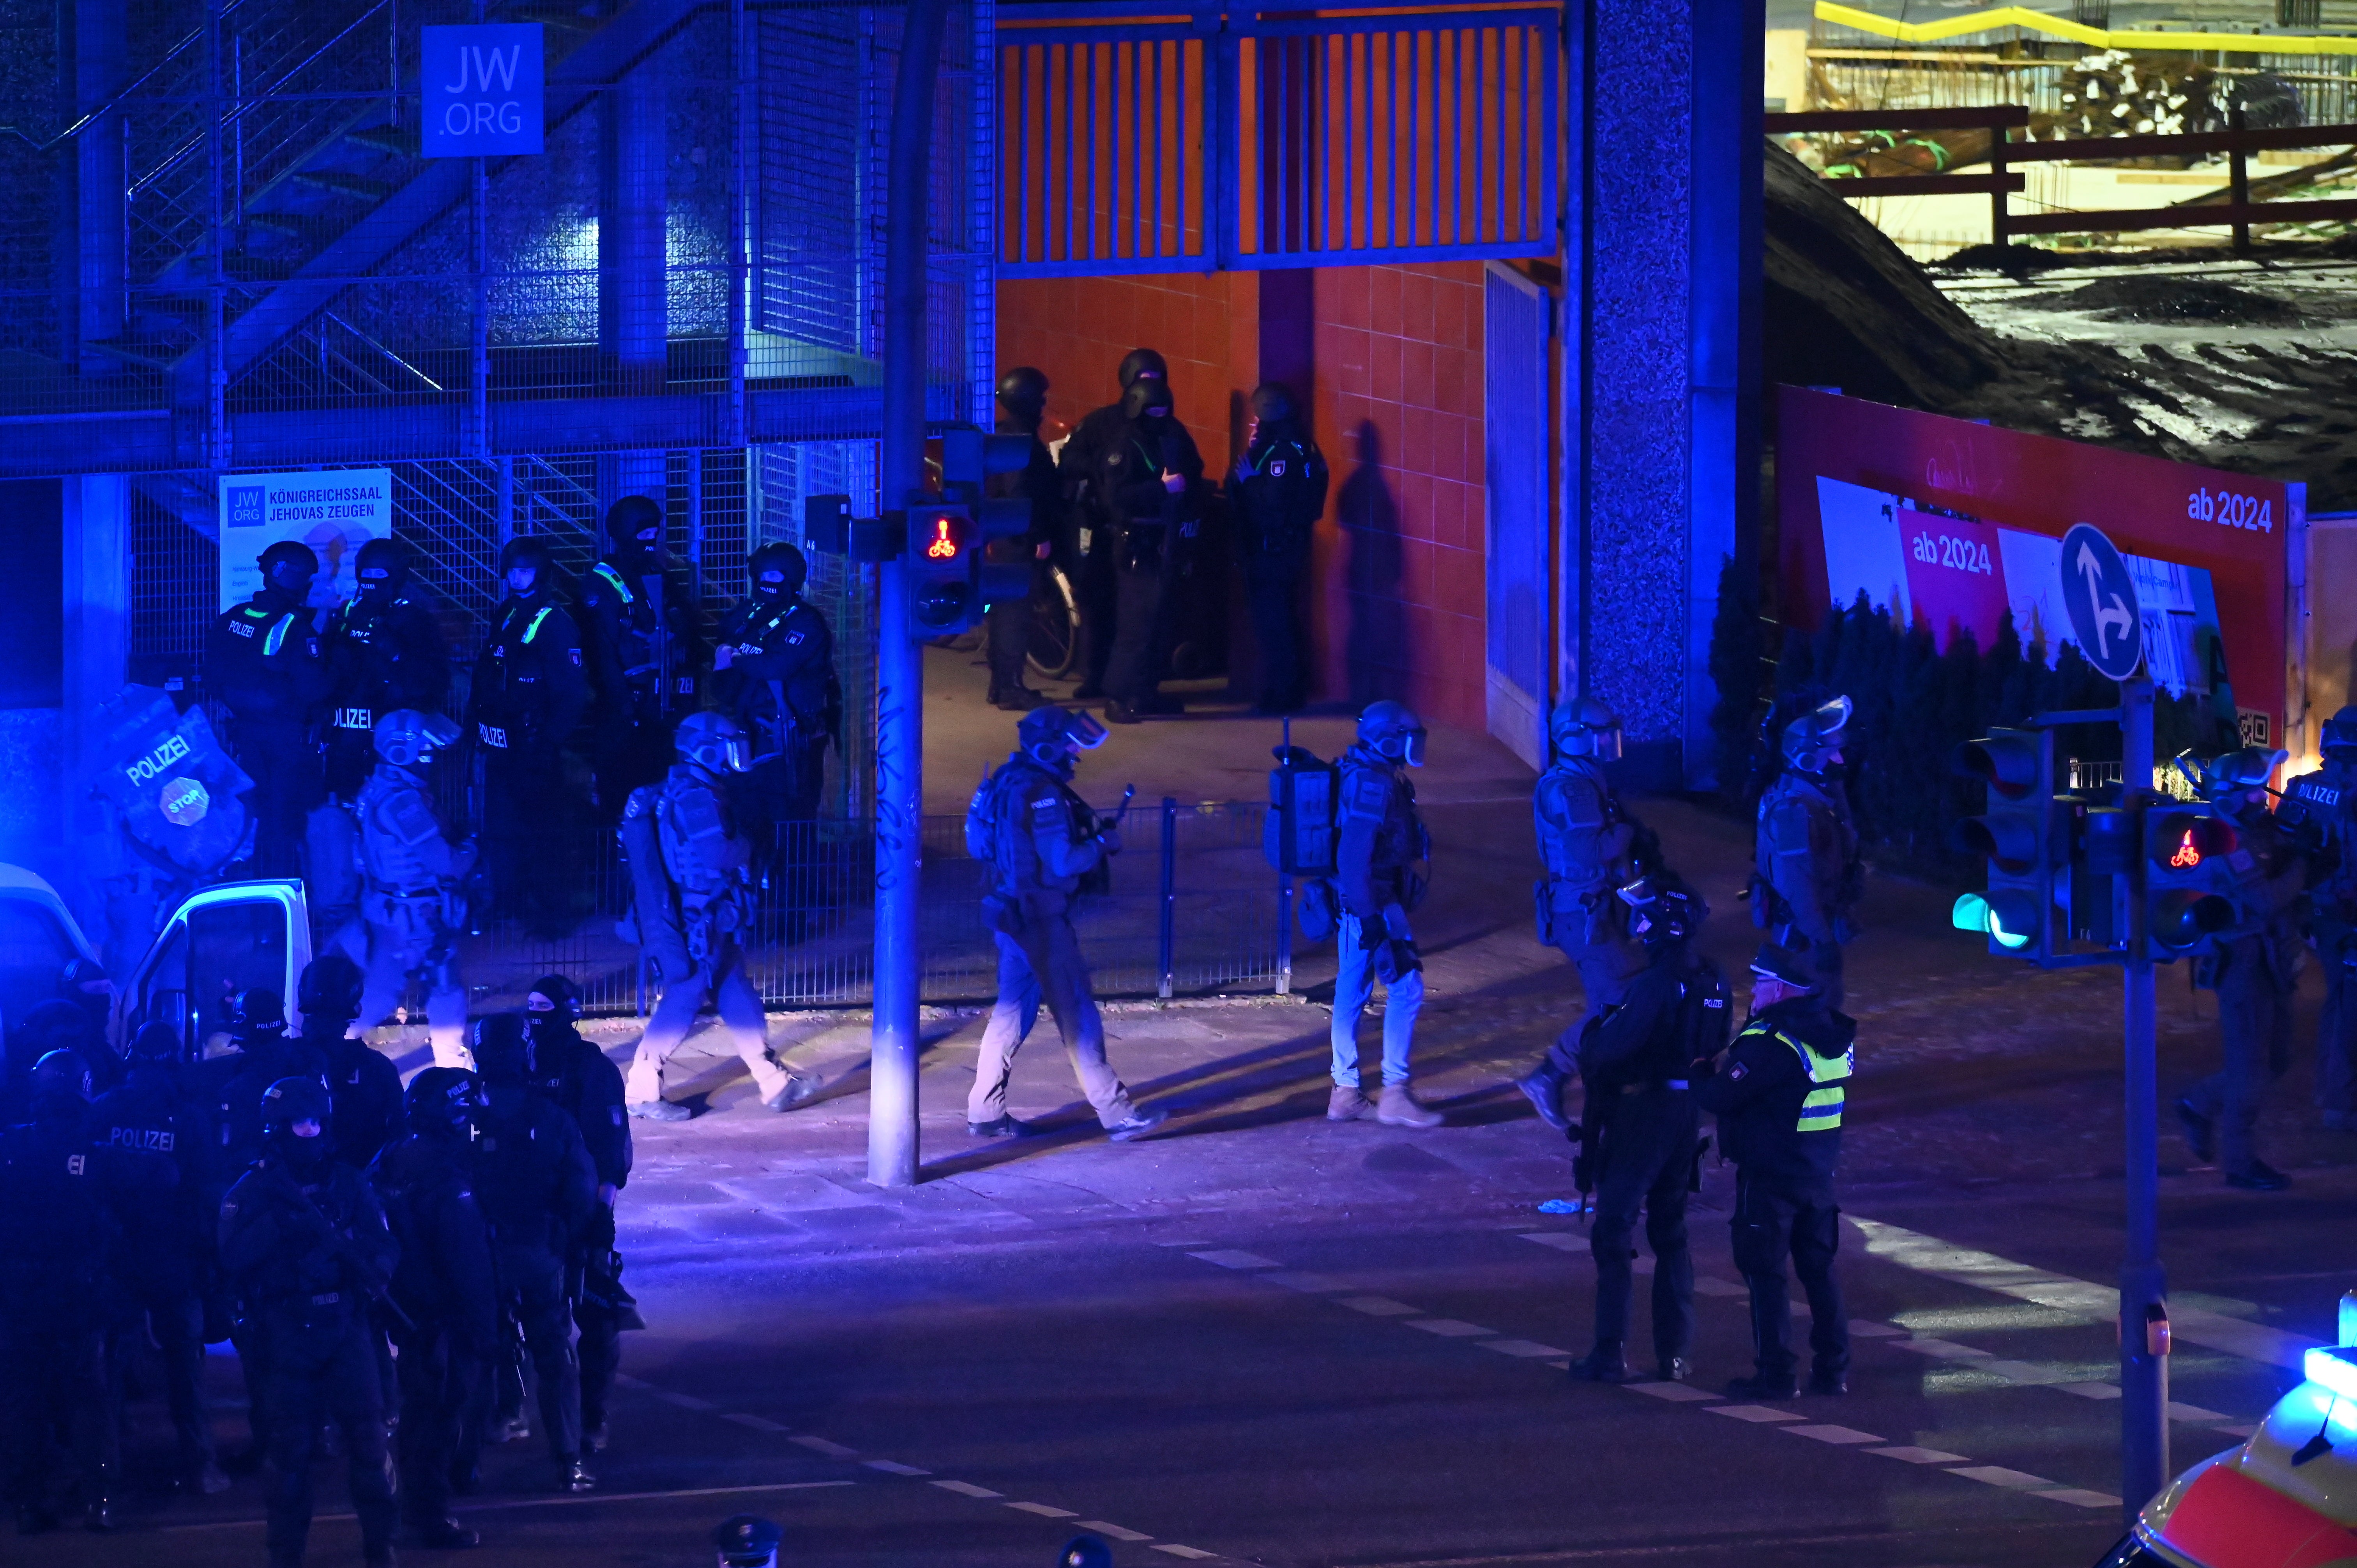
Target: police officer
{"x":1151,"y":479}
{"x":363,"y":1082}
{"x":1779,"y":1102}
{"x":773,"y":670}
{"x":640,"y":625}
{"x":61,"y":1200}
{"x":1640,"y":1127}
{"x":576,"y":1076}
{"x":166,"y":1246}
{"x":264,"y":1054}
{"x":539,"y":1191}
{"x":528,"y":693}
{"x":1044,"y":846}
{"x":385,"y":649}
{"x":1022,"y":408}
{"x":689,"y":868}
{"x":1089,"y":517}
{"x":411,"y":907}
{"x":447,"y":1296}
{"x":1381,"y":847}
{"x":265,"y":661}
{"x":1279,"y":493}
{"x":1588,"y":847}
{"x":304,"y":1241}
{"x":1807,"y":874}
{"x":2321,"y":808}
{"x":2254,"y":970}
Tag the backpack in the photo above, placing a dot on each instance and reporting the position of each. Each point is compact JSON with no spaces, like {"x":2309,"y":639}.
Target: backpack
{"x":1298,"y":835}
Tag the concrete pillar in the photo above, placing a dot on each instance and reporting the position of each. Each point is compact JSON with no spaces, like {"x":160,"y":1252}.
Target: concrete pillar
{"x":97,"y":570}
{"x":1661,"y":403}
{"x":632,"y":313}
{"x":99,"y":73}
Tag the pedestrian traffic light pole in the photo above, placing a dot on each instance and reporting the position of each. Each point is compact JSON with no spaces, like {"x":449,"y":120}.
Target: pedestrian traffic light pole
{"x":2144,"y":1285}
{"x":899,"y":657}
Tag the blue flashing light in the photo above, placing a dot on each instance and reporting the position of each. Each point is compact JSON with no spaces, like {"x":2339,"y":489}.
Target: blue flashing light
{"x":2332,"y":1367}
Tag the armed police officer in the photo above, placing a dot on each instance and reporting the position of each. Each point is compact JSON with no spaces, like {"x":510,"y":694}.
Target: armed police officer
{"x":1807,"y":872}
{"x":1588,"y":845}
{"x":690,"y":867}
{"x":264,"y":1054}
{"x":266,"y":662}
{"x":1279,"y":493}
{"x":1151,"y":478}
{"x":363,"y":1084}
{"x":1641,"y":1128}
{"x":1043,"y":847}
{"x":644,"y":632}
{"x":2255,"y":969}
{"x":773,"y":670}
{"x":385,"y":650}
{"x":302,"y":1235}
{"x":1089,"y":522}
{"x":1779,"y":1101}
{"x":576,"y":1076}
{"x":2321,"y":808}
{"x":166,"y":1244}
{"x":443,"y":1286}
{"x":528,"y":693}
{"x":539,"y":1191}
{"x":1380,"y":857}
{"x":413,"y":907}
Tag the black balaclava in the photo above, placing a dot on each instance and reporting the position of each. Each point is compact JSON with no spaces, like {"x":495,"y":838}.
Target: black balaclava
{"x":383,"y":570}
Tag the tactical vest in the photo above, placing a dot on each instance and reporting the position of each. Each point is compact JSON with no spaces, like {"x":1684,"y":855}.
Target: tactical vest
{"x":396,"y":822}
{"x":999,"y":824}
{"x":1821,"y":1111}
{"x":1570,"y":849}
{"x":703,"y":857}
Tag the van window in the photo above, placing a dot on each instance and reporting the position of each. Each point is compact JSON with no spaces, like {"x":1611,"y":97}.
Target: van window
{"x":218,"y":950}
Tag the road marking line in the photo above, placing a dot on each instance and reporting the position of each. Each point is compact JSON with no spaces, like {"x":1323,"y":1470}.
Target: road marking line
{"x":1379,"y":1306}
{"x":758,"y":1423}
{"x":1837,"y":1435}
{"x":2092,"y":1390}
{"x":2194,"y":1414}
{"x":1754,"y":1412}
{"x":1116,"y":1531}
{"x":1528,"y":1348}
{"x":1187,"y":1552}
{"x":1449,"y":1327}
{"x":2096,"y":1304}
{"x":894,"y":1467}
{"x":564,"y":1503}
{"x":2240,"y":1431}
{"x":2013,"y":1480}
{"x":1914,"y":1455}
{"x":1309,"y":1285}
{"x":820,"y":1446}
{"x":1677,"y":1392}
{"x":2029,"y":1373}
{"x":1947,"y":1350}
{"x":2082,"y":1497}
{"x":967,"y":1489}
{"x":1710,"y":1284}
{"x":1561,"y":1241}
{"x":1186,"y":1245}
{"x":1864,"y":1328}
{"x":1228,"y":1258}
{"x":1043,"y":1510}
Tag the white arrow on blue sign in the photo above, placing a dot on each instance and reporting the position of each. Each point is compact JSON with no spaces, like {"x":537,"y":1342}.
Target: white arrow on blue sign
{"x":2101,"y":600}
{"x":481,"y":90}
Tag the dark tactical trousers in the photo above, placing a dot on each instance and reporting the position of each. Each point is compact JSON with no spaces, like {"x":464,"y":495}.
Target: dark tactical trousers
{"x":1647,"y":1160}
{"x":1775,"y":1221}
{"x":440,"y":1382}
{"x":53,"y":1379}
{"x":1273,"y":591}
{"x":2255,"y":1040}
{"x":326,"y":1369}
{"x":532,"y":1280}
{"x":1141,"y":633}
{"x":288,"y":780}
{"x":526,"y":832}
{"x":2336,"y":1045}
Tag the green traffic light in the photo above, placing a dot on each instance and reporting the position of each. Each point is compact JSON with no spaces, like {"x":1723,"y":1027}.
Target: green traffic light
{"x":1971,"y":914}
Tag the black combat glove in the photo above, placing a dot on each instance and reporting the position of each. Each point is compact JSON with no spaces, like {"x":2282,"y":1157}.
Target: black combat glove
{"x":1396,"y":958}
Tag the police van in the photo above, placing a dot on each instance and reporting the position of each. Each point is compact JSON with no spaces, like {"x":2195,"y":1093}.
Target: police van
{"x":2287,"y":1499}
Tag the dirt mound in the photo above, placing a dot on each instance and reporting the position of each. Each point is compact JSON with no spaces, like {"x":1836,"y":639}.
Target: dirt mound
{"x":2163,"y":300}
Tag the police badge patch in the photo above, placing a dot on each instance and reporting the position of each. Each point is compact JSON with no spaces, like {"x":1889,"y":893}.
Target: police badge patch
{"x":1276,"y":469}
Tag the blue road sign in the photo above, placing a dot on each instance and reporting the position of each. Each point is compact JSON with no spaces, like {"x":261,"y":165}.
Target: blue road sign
{"x":2101,"y":600}
{"x":482,"y":90}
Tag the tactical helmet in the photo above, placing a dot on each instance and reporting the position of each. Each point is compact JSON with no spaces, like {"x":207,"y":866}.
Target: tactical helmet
{"x":713,"y":741}
{"x":2341,"y":732}
{"x":330,"y":988}
{"x":502,"y":1048}
{"x":1585,"y":726}
{"x":382,"y":564}
{"x":528,"y":550}
{"x":2239,"y":771}
{"x":1023,"y":391}
{"x":256,"y":1011}
{"x":442,"y":1100}
{"x":1663,"y":911}
{"x":1048,"y":734}
{"x":62,"y":1074}
{"x":1272,"y":403}
{"x":1140,"y":362}
{"x":553,"y":996}
{"x":746,"y":1541}
{"x":1086,"y":1552}
{"x":631,"y":519}
{"x":154,"y":1041}
{"x":1813,"y":741}
{"x":1147,"y":398}
{"x":85,"y":977}
{"x":784,"y":558}
{"x":1391,"y":731}
{"x":286,"y":563}
{"x":408,"y":738}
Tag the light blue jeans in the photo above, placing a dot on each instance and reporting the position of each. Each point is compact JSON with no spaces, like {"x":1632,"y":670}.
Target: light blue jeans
{"x":1354,"y":983}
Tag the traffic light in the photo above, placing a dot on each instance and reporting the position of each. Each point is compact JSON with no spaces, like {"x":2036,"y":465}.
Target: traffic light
{"x":943,"y":544}
{"x":2024,"y":836}
{"x":2186,"y":851}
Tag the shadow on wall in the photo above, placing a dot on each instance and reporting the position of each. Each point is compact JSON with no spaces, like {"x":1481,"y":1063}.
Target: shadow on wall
{"x":1367,"y":509}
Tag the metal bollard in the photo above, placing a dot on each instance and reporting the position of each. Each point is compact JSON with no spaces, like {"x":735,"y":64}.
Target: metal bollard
{"x":1169,"y":896}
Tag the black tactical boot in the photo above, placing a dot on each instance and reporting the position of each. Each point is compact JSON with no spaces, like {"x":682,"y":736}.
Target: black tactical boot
{"x":1604,"y":1364}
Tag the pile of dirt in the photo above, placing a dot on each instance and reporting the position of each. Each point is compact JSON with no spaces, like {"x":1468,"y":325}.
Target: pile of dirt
{"x":2166,"y":301}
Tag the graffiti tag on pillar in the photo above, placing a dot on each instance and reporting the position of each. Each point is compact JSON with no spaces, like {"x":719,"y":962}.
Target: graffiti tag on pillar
{"x":481,"y":90}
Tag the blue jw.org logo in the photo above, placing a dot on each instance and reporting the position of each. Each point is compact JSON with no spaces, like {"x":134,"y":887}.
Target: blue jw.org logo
{"x":245,"y":508}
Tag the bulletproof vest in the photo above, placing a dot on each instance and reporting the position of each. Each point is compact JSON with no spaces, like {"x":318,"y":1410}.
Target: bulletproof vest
{"x":263,"y":660}
{"x":1577,"y":815}
{"x":649,"y":644}
{"x":1020,"y":799}
{"x":397,"y":823}
{"x":1793,"y":800}
{"x":53,"y":1219}
{"x":146,"y":1113}
{"x":375,"y":631}
{"x":700,"y":851}
{"x":784,"y":660}
{"x":520,"y":1162}
{"x":1373,"y":788}
{"x":521,"y":641}
{"x":303,"y":1267}
{"x":1280,"y":495}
